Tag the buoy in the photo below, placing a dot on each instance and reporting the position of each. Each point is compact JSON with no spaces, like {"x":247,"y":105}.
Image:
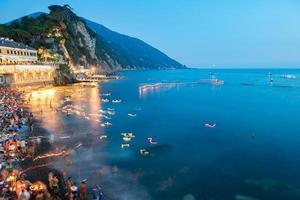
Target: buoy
{"x":210,"y":126}
{"x":151,"y":141}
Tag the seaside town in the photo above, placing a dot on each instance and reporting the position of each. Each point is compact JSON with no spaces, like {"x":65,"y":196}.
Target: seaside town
{"x":149,"y":100}
{"x":21,"y":140}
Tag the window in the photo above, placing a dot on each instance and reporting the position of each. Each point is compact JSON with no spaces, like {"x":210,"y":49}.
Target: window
{"x":7,"y":51}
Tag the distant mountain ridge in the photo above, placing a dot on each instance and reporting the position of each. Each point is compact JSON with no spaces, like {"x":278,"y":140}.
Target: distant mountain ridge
{"x":88,"y":43}
{"x":132,"y":51}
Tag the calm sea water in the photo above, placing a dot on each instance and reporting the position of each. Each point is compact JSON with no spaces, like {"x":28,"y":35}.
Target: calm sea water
{"x":253,"y":152}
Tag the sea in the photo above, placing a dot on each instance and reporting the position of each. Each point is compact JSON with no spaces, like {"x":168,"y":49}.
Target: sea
{"x":232,"y":140}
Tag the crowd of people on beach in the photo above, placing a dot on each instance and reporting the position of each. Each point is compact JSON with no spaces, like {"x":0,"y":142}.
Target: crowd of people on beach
{"x":16,"y":146}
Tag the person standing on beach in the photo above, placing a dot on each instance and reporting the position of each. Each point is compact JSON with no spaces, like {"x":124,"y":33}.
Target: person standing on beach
{"x":69,"y":184}
{"x":83,"y":190}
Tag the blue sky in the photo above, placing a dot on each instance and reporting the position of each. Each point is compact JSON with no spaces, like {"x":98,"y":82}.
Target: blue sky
{"x":202,"y":33}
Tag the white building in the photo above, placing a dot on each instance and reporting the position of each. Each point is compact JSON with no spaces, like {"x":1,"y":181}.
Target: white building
{"x":12,"y":52}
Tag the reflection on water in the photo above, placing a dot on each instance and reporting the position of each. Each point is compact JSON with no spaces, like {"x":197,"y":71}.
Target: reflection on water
{"x":189,"y":160}
{"x":47,"y":105}
{"x":144,"y":89}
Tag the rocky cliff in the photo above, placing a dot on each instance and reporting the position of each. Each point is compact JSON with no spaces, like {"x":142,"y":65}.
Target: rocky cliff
{"x":65,"y":37}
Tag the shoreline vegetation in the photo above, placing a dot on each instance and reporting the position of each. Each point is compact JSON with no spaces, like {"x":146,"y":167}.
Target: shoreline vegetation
{"x":28,"y":156}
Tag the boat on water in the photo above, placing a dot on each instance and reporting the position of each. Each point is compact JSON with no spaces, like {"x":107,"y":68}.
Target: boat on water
{"x":108,"y":124}
{"x":106,"y":117}
{"x":131,"y":115}
{"x":103,"y":137}
{"x":151,"y":141}
{"x":105,"y":100}
{"x":144,"y":152}
{"x":214,"y":80}
{"x":117,"y":101}
{"x":125,"y":145}
{"x":289,"y":76}
{"x":102,"y":111}
{"x":127,"y":136}
{"x":217,"y":82}
{"x":210,"y":125}
{"x":111,"y":112}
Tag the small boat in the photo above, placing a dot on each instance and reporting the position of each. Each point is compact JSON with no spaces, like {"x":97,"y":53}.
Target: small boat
{"x":105,"y":94}
{"x":289,"y":76}
{"x":151,"y":141}
{"x":103,"y":137}
{"x":125,"y":145}
{"x":108,"y":124}
{"x":102,"y":111}
{"x":217,"y":82}
{"x":105,"y":100}
{"x":128,"y":134}
{"x":144,"y":152}
{"x":210,"y":125}
{"x":106,"y":117}
{"x":126,"y":138}
{"x":111,"y":112}
{"x":131,"y":115}
{"x":117,"y":101}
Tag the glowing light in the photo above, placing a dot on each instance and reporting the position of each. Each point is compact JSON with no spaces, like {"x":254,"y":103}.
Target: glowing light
{"x":38,"y":186}
{"x":49,"y":155}
{"x":36,"y":167}
{"x":93,"y":69}
{"x":20,"y":185}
